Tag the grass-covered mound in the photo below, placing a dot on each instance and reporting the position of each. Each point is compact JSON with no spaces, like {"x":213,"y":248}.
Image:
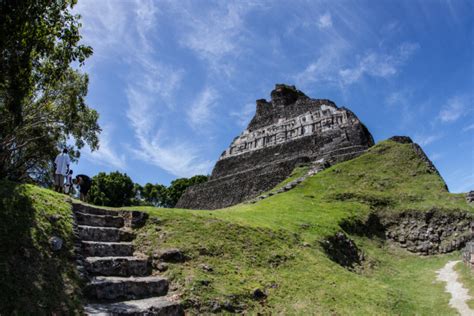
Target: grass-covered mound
{"x":276,"y":244}
{"x":35,"y":280}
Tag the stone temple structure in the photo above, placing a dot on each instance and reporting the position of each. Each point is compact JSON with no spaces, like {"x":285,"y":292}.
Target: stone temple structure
{"x":288,"y":130}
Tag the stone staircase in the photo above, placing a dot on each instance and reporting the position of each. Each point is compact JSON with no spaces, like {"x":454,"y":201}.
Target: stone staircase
{"x":119,"y":280}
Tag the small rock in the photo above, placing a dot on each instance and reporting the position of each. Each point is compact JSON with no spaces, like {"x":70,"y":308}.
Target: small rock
{"x":258,"y":294}
{"x":206,"y":267}
{"x":161,"y":266}
{"x":170,"y":255}
{"x":205,"y":282}
{"x":306,"y":244}
{"x":56,"y":243}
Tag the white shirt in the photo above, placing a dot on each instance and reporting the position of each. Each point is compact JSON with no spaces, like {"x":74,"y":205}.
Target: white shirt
{"x":62,"y":162}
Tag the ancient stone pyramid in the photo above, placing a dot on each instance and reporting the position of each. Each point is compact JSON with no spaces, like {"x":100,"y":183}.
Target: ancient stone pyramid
{"x":288,"y":130}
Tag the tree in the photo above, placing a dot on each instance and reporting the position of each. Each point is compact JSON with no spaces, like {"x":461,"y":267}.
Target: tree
{"x":41,"y":96}
{"x":113,"y":189}
{"x":178,"y":186}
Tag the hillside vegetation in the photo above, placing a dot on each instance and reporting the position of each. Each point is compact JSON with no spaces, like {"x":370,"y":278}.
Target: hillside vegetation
{"x":35,"y":280}
{"x":274,"y":245}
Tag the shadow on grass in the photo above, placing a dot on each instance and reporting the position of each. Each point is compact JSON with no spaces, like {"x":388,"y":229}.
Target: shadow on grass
{"x":31,"y":275}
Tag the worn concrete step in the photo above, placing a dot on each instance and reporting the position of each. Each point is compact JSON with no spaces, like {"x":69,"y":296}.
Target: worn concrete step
{"x":107,"y":249}
{"x":99,"y":220}
{"x":161,"y":306}
{"x":114,"y":288}
{"x":106,"y":234}
{"x":89,"y":209}
{"x":117,"y":266}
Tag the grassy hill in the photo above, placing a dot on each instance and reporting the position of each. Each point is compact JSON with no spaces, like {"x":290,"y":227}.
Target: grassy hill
{"x":34,"y":279}
{"x":275,"y":245}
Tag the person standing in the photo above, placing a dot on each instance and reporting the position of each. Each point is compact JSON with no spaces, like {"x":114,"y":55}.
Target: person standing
{"x":68,"y":187}
{"x":61,"y":165}
{"x":85,"y":184}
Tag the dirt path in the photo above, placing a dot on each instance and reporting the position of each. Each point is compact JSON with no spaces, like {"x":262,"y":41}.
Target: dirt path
{"x":459,"y":294}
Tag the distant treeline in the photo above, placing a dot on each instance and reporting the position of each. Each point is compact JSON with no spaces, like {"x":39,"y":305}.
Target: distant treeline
{"x":117,"y":189}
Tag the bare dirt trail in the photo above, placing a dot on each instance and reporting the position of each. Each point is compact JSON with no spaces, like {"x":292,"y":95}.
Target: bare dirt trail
{"x":459,"y":294}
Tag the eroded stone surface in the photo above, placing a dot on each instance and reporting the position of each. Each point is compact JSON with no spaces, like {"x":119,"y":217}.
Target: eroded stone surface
{"x":112,"y":288}
{"x":288,"y":130}
{"x":94,"y":233}
{"x":106,"y":260}
{"x":99,"y":220}
{"x":105,"y":249}
{"x":159,"y":306}
{"x":117,"y":266}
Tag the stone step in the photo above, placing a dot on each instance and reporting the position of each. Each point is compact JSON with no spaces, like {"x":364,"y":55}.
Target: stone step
{"x":99,"y":220}
{"x":91,"y":210}
{"x":161,"y":306}
{"x":92,"y":233}
{"x":113,"y":288}
{"x":106,"y":249}
{"x":117,"y":266}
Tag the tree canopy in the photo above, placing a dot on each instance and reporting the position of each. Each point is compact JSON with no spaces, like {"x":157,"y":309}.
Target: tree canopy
{"x":42,"y":97}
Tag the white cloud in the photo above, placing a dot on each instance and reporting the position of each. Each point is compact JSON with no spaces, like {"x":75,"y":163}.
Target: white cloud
{"x":454,"y":108}
{"x":325,"y":21}
{"x":378,"y":65}
{"x":200,"y":112}
{"x":468,"y":128}
{"x":106,"y":155}
{"x":123,"y":31}
{"x":243,"y":116}
{"x":331,"y":65}
{"x":424,"y":140}
{"x":216,"y":34}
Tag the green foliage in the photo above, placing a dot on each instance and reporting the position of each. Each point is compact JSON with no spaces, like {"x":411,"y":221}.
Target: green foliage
{"x":34,"y":280}
{"x":113,"y":189}
{"x":274,"y":243}
{"x":155,"y":195}
{"x":178,"y":186}
{"x":41,"y":96}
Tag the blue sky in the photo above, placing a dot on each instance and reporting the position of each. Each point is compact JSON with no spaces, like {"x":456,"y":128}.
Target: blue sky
{"x":175,"y":81}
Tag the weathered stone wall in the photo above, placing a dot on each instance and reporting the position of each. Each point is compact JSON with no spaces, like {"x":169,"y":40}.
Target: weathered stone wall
{"x":431,"y":232}
{"x":290,"y":129}
{"x":427,"y":233}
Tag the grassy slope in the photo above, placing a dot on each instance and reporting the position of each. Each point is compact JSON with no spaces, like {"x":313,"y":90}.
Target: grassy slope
{"x":33,"y":279}
{"x":263,"y":244}
{"x":466,"y":277}
{"x":272,"y":245}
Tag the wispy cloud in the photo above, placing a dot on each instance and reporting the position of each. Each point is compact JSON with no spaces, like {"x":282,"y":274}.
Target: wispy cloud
{"x":468,"y":128}
{"x":325,"y":21}
{"x":425,"y":140}
{"x":106,"y":155}
{"x":331,"y":65}
{"x":200,"y":112}
{"x":243,"y":116}
{"x":378,"y":65}
{"x":215,"y":33}
{"x":454,"y":108}
{"x":124,"y":31}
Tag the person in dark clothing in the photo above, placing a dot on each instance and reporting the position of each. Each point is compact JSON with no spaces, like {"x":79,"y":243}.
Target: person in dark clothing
{"x":84,"y":183}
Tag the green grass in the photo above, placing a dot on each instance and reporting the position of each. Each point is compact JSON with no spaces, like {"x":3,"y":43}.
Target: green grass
{"x":34,"y":280}
{"x":466,"y":277}
{"x":274,"y":244}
